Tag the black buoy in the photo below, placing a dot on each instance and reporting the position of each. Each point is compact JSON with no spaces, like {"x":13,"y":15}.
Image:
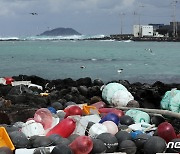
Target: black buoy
{"x":55,"y":138}
{"x":157,"y":119}
{"x":5,"y":150}
{"x":41,"y":141}
{"x":122,"y":135}
{"x":140,"y":140}
{"x":19,"y":139}
{"x":98,"y":146}
{"x":127,"y":146}
{"x":126,"y":120}
{"x":154,"y":144}
{"x":109,"y":140}
{"x":61,"y":149}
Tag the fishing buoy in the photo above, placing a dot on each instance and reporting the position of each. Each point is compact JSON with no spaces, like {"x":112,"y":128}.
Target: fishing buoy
{"x":64,"y":128}
{"x":127,"y":146}
{"x":19,"y":139}
{"x":154,"y":144}
{"x":110,"y":142}
{"x":110,"y":117}
{"x":98,"y":146}
{"x":82,"y":145}
{"x":126,"y":120}
{"x":44,"y":116}
{"x":166,"y":131}
{"x":97,"y":129}
{"x":122,"y":135}
{"x":111,"y":127}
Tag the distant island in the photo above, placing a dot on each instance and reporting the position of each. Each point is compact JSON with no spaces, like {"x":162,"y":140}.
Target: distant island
{"x":60,"y":32}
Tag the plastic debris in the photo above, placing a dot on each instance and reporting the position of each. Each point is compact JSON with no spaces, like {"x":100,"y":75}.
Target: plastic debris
{"x":32,"y":128}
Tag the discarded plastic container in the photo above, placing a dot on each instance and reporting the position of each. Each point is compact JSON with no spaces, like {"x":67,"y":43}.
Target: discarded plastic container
{"x":82,"y":145}
{"x":105,"y":111}
{"x":64,"y":128}
{"x":110,"y":117}
{"x":166,"y":131}
{"x":73,"y":110}
{"x":9,"y":80}
{"x":32,"y":128}
{"x":138,"y":116}
{"x":109,"y":90}
{"x":44,"y":116}
{"x":5,"y":139}
{"x":89,"y":110}
{"x":166,"y":98}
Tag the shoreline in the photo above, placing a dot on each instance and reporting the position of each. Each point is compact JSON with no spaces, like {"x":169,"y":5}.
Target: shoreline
{"x":82,"y":90}
{"x":115,"y":37}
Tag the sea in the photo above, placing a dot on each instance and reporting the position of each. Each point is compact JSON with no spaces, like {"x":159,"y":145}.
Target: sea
{"x":73,"y":57}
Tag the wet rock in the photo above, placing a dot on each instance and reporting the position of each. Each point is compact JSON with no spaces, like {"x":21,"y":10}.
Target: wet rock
{"x":84,"y":82}
{"x":4,"y":118}
{"x":57,"y":105}
{"x":98,"y":82}
{"x":83,"y":90}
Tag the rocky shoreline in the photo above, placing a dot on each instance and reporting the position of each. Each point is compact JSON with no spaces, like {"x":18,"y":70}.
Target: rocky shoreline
{"x":83,"y":90}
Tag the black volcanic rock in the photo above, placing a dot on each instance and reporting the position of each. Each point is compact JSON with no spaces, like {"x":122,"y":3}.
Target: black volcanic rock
{"x":60,"y":32}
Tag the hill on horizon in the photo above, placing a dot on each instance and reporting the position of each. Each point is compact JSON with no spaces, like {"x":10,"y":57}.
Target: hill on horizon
{"x":60,"y":32}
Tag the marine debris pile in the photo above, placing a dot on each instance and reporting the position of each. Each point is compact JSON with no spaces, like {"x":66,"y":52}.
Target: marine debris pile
{"x":88,"y":116}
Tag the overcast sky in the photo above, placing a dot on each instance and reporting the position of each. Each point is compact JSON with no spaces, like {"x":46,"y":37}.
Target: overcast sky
{"x":89,"y":17}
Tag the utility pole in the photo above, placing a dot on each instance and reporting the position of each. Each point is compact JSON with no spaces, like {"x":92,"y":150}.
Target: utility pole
{"x":140,"y":33}
{"x":174,"y":18}
{"x":122,"y":14}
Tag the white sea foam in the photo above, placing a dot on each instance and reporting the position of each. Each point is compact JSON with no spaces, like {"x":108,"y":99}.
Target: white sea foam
{"x":8,"y":38}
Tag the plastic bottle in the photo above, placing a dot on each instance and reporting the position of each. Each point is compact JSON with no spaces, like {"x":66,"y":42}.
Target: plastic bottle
{"x":64,"y":128}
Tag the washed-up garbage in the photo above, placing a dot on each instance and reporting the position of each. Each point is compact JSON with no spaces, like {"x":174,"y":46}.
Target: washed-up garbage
{"x":171,"y":101}
{"x":138,"y":116}
{"x":109,"y":90}
{"x":5,"y":140}
{"x":32,"y":128}
{"x":97,"y":126}
{"x":64,"y":128}
{"x":82,"y":145}
{"x":116,"y":94}
{"x":166,"y":131}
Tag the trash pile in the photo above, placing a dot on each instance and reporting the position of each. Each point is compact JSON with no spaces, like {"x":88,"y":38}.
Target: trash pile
{"x":110,"y":123}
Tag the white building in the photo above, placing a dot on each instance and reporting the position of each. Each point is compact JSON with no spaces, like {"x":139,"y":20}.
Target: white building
{"x":143,"y":30}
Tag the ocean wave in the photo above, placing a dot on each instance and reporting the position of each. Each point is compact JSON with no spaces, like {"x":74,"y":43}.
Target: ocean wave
{"x":52,"y":38}
{"x":9,"y":38}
